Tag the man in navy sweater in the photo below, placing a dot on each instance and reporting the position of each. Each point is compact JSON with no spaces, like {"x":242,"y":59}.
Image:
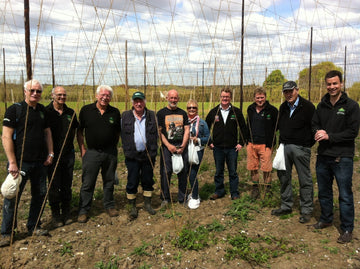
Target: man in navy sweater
{"x":336,"y":125}
{"x":295,"y":116}
{"x":226,"y":141}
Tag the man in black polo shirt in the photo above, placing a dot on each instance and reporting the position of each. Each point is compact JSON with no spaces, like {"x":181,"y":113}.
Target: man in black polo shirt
{"x":101,"y":123}
{"x":27,"y":120}
{"x":60,"y":174}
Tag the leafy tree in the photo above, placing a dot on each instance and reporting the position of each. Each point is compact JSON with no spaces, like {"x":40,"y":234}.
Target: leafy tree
{"x":318,"y":73}
{"x":354,"y":91}
{"x":273,"y":83}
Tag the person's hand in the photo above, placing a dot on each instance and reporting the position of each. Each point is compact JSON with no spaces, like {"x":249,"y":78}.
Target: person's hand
{"x":172,"y":148}
{"x":321,"y":135}
{"x":49,"y":160}
{"x":179,"y":150}
{"x":238,"y":147}
{"x":13,"y":170}
{"x":211,"y":146}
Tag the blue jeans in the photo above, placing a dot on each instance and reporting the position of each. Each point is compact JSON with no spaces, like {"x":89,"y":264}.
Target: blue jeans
{"x":93,"y":160}
{"x":193,"y":170}
{"x":36,"y":172}
{"x":139,"y":171}
{"x":326,"y":169}
{"x":228,"y":155}
{"x":300,"y":157}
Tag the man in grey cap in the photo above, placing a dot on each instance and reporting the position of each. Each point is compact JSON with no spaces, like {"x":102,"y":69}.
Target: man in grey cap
{"x":295,"y":116}
{"x":139,"y":140}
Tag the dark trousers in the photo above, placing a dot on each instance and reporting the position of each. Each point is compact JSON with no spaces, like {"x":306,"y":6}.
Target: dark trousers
{"x":326,"y":169}
{"x":60,"y":193}
{"x":139,"y":171}
{"x":166,"y":172}
{"x":35,"y":172}
{"x":228,"y":156}
{"x":92,"y":162}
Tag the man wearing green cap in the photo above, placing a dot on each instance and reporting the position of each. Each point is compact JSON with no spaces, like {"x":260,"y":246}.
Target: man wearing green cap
{"x":139,"y":140}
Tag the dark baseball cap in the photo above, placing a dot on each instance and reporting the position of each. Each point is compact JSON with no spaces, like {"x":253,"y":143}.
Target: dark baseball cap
{"x":138,"y":95}
{"x":289,"y":85}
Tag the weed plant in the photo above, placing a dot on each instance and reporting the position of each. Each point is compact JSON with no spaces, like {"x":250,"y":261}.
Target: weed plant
{"x":241,"y":208}
{"x":193,"y":239}
{"x":112,"y":264}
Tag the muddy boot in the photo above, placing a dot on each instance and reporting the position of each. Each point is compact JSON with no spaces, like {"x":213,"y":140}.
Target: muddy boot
{"x":147,"y":205}
{"x":66,"y":214}
{"x":133,"y":213}
{"x":255,"y":192}
{"x":56,"y":218}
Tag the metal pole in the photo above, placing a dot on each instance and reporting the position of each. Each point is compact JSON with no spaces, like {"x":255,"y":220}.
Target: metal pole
{"x":242,"y":55}
{"x":203,"y":91}
{"x":145,"y":73}
{"x":27,"y":40}
{"x":311,"y":39}
{"x":52,"y":63}
{"x":126,"y":78}
{"x":345,"y":71}
{"x":4,"y":80}
{"x":93,"y":76}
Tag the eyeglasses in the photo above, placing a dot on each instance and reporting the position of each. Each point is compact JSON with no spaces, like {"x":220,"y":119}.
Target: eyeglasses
{"x":191,"y":107}
{"x":61,"y":94}
{"x":37,"y":91}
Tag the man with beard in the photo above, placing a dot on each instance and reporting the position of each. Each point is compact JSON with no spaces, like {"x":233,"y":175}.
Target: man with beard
{"x":172,"y":115}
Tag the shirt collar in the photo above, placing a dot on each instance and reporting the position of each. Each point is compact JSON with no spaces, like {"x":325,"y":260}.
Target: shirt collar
{"x":221,"y":108}
{"x":295,"y":104}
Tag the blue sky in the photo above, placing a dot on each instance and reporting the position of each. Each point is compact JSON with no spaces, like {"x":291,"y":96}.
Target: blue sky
{"x":178,"y":37}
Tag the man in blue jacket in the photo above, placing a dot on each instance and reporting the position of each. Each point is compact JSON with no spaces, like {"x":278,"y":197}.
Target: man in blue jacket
{"x":336,"y":125}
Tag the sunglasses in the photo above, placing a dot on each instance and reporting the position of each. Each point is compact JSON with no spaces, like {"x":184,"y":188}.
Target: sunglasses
{"x":61,"y":94}
{"x":191,"y":107}
{"x":37,"y":91}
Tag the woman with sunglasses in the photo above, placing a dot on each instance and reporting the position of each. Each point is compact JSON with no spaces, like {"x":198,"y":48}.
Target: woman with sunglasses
{"x":199,"y":135}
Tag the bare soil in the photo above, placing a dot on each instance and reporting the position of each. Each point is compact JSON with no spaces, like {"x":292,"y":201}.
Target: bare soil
{"x":153,"y":241}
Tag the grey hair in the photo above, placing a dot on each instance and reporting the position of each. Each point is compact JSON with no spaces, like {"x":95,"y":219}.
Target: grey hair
{"x":32,"y":82}
{"x":105,"y":87}
{"x":53,"y":90}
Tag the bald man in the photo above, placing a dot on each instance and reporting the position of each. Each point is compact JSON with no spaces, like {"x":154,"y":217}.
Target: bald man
{"x":174,"y":133}
{"x":61,"y":118}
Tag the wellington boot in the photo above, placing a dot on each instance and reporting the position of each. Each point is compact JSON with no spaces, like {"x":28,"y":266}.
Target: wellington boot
{"x":147,"y":206}
{"x":133,"y":213}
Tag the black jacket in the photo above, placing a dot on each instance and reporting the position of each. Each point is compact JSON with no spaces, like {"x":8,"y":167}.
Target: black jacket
{"x":341,"y":122}
{"x":270,"y":114}
{"x":227,"y":135}
{"x":297,"y":129}
{"x":127,"y":135}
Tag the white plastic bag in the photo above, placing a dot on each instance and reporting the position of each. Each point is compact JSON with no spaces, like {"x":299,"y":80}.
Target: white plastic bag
{"x":193,"y":153}
{"x":177,"y":163}
{"x":279,"y":160}
{"x":10,"y":186}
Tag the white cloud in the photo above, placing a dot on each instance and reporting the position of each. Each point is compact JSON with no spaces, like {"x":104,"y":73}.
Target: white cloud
{"x":178,"y":37}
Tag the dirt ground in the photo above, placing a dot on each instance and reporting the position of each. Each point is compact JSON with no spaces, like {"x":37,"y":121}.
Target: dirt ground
{"x":155,"y":241}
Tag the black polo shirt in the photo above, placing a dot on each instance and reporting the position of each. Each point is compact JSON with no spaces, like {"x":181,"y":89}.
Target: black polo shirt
{"x":59,"y":125}
{"x":258,"y":127}
{"x":35,"y":145}
{"x":101,"y":131}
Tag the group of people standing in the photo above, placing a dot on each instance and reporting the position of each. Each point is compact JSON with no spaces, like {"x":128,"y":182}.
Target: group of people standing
{"x":38,"y":141}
